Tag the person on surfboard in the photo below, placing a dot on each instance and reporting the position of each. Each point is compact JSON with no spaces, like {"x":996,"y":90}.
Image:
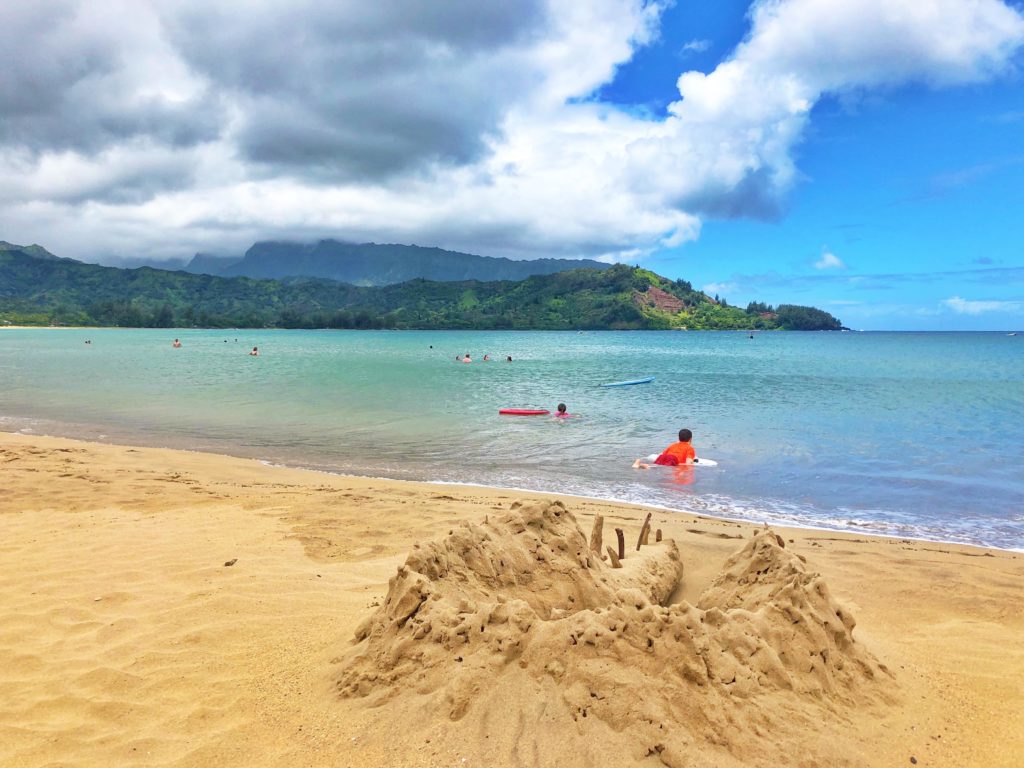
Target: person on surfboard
{"x":677,"y":454}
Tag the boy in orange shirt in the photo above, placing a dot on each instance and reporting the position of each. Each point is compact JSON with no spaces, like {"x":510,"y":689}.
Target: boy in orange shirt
{"x":677,"y":454}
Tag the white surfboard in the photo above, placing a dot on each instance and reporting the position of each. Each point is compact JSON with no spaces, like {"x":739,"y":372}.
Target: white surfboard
{"x":701,"y":461}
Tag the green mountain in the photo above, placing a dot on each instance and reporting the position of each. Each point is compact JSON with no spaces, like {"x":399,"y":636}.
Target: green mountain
{"x":210,"y":264}
{"x":32,"y":250}
{"x":373,"y":264}
{"x":46,"y":290}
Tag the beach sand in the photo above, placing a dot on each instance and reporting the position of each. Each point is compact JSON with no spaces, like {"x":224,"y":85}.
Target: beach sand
{"x":169,"y":608}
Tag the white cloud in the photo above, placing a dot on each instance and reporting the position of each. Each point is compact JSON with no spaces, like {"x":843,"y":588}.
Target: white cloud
{"x":207,"y":124}
{"x":965,"y":307}
{"x":726,"y":148}
{"x":829,"y":260}
{"x":696,"y":46}
{"x":719,"y":288}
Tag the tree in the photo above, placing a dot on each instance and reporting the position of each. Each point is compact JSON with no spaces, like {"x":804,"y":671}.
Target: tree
{"x":796,"y":318}
{"x":164,"y":317}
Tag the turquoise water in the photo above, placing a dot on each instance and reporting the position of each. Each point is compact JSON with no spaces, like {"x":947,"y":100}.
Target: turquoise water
{"x":908,"y":434}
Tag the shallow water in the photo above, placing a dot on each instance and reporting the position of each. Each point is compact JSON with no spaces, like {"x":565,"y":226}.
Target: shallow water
{"x":908,"y":434}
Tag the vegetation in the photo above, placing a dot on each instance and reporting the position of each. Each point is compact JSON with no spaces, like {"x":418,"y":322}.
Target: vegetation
{"x":50,"y":291}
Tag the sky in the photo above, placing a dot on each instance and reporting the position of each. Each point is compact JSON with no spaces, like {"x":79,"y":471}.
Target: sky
{"x":866,"y":157}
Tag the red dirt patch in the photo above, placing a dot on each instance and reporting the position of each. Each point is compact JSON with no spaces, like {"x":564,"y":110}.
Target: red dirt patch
{"x":659,"y":299}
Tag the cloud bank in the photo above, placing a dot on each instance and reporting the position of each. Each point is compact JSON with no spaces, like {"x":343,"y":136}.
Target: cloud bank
{"x":157,"y":127}
{"x":977,"y":307}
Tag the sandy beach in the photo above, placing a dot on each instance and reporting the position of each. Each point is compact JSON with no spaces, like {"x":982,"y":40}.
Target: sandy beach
{"x":185,"y":609}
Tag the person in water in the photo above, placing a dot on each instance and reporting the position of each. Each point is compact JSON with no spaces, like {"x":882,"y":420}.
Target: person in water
{"x":508,"y":359}
{"x":467,"y":358}
{"x":676,"y":455}
{"x":487,"y":358}
{"x":255,"y":352}
{"x":176,"y":344}
{"x":562,"y":413}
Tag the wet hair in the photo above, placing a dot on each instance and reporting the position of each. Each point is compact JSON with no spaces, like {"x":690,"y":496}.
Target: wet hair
{"x":685,"y":435}
{"x":561,"y":407}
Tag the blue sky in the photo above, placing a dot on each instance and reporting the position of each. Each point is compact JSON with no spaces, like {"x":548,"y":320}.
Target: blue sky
{"x":864,"y":156}
{"x":918,"y":192}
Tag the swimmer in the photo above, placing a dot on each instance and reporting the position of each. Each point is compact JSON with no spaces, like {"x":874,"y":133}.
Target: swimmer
{"x":467,"y":358}
{"x":487,"y":358}
{"x":255,"y":352}
{"x":176,"y":344}
{"x":508,"y":359}
{"x":562,"y":413}
{"x":676,"y":455}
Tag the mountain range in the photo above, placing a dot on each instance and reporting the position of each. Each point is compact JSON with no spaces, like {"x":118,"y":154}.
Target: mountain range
{"x":35,"y":251}
{"x":38,"y":288}
{"x":374,"y":264}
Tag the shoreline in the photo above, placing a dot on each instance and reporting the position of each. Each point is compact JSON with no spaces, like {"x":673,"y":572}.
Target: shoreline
{"x":638,"y":507}
{"x":187,"y":608}
{"x":1003,"y":331}
{"x":850,"y":530}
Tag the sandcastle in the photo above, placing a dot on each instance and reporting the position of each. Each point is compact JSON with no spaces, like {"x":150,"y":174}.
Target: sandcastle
{"x":522,"y":616}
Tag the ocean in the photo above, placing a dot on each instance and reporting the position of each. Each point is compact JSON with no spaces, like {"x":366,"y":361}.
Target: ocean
{"x":916,"y":435}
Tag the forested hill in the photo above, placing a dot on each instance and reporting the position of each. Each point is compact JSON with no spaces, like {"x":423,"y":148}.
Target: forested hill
{"x":32,"y":250}
{"x":373,"y":264}
{"x":45,"y":290}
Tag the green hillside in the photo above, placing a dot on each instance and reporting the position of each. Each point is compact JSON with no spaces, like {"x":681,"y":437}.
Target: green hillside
{"x":49,"y":291}
{"x":32,"y":250}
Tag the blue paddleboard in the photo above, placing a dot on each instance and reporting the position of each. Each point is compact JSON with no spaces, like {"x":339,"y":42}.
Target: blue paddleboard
{"x":630,"y":383}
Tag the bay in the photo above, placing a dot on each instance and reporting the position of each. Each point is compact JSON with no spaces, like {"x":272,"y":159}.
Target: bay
{"x":907,"y":434}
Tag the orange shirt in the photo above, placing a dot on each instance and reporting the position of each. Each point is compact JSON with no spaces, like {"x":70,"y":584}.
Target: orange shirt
{"x":682,"y":452}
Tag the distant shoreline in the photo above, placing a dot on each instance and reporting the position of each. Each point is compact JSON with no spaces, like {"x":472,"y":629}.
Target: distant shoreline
{"x":494,"y":330}
{"x":59,"y":327}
